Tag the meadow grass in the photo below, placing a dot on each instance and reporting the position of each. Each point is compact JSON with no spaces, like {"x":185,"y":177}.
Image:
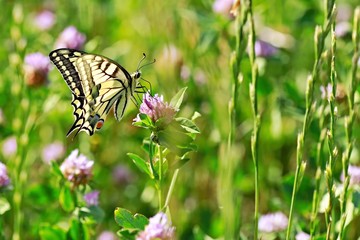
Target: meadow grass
{"x":254,"y":133}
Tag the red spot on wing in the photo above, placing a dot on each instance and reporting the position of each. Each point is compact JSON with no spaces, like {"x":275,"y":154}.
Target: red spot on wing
{"x":99,"y":124}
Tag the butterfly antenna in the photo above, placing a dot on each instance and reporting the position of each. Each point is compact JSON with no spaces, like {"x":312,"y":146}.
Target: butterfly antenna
{"x":138,"y":67}
{"x":152,"y":62}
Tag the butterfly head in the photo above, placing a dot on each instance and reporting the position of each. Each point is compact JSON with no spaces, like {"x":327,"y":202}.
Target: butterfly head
{"x":137,"y":74}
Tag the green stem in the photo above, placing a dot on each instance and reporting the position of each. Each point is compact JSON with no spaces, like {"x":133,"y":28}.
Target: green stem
{"x":171,"y":188}
{"x":160,"y":177}
{"x":320,"y":36}
{"x":151,"y":156}
{"x":349,"y":120}
{"x":256,"y":116}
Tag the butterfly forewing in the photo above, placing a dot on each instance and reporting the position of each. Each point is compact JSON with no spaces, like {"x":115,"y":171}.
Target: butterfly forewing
{"x":96,"y":83}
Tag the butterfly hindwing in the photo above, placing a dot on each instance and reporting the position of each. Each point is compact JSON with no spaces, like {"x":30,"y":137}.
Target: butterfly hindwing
{"x":96,"y":83}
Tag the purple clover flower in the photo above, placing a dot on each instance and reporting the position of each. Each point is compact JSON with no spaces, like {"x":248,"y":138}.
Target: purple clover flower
{"x":121,"y":174}
{"x":37,"y":67}
{"x":53,"y":152}
{"x":264,"y":49}
{"x":92,"y":198}
{"x":302,"y":236}
{"x":156,"y":108}
{"x":354,"y":174}
{"x":326,"y":92}
{"x":4,"y":178}
{"x":70,"y":38}
{"x":44,"y":20}
{"x":77,"y":168}
{"x":223,"y":7}
{"x":107,"y":235}
{"x":9,"y":146}
{"x":342,"y":29}
{"x":273,"y":222}
{"x":158,"y":228}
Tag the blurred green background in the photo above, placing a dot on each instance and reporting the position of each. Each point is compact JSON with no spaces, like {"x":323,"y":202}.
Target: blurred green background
{"x":191,"y":43}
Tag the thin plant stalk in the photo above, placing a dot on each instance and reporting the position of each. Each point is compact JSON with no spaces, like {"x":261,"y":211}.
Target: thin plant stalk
{"x":171,"y":188}
{"x":230,"y":202}
{"x":349,"y":120}
{"x":329,"y":212}
{"x":160,"y":177}
{"x":256,"y":116}
{"x":319,"y":39}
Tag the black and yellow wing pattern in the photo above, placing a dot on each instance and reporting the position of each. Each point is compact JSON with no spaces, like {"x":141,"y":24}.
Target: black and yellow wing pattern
{"x":97,"y":83}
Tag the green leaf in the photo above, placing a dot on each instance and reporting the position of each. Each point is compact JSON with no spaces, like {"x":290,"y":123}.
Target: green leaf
{"x":93,"y":212}
{"x":48,"y":232}
{"x":178,"y":98}
{"x":188,"y":125}
{"x":66,"y":199}
{"x":126,"y":220}
{"x":176,"y":139}
{"x":180,"y":163}
{"x":4,"y":206}
{"x":126,"y":234}
{"x":140,"y":163}
{"x":195,"y":116}
{"x":145,"y":121}
{"x":56,"y":169}
{"x":78,"y":230}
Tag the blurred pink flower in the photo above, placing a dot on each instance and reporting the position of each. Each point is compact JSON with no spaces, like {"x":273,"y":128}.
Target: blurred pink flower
{"x":107,"y":235}
{"x":77,"y":168}
{"x":53,"y":152}
{"x":156,"y":108}
{"x":354,"y":174}
{"x":121,"y":174}
{"x":326,"y":92}
{"x":264,"y":49}
{"x":9,"y":146}
{"x":92,"y":198}
{"x":158,"y":228}
{"x":36,"y":68}
{"x":273,"y":222}
{"x":70,"y":38}
{"x":4,"y":178}
{"x":342,"y":29}
{"x":302,"y":236}
{"x":185,"y":72}
{"x":223,"y":7}
{"x":44,"y":19}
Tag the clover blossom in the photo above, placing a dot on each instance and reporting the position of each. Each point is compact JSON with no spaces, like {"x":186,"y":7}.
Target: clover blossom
{"x":273,"y":222}
{"x":121,"y":174}
{"x":107,"y":235}
{"x":4,"y":178}
{"x":36,"y":69}
{"x":264,"y":49}
{"x":302,"y":236}
{"x":158,"y":228}
{"x":44,"y":20}
{"x":354,"y":174}
{"x":77,"y":168}
{"x":53,"y":152}
{"x":223,"y":7}
{"x":92,"y":198}
{"x":326,"y":92}
{"x":9,"y":146}
{"x":156,"y":108}
{"x":70,"y":38}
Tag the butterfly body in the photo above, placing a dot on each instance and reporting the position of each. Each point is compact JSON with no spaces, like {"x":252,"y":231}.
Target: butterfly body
{"x":97,"y":84}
